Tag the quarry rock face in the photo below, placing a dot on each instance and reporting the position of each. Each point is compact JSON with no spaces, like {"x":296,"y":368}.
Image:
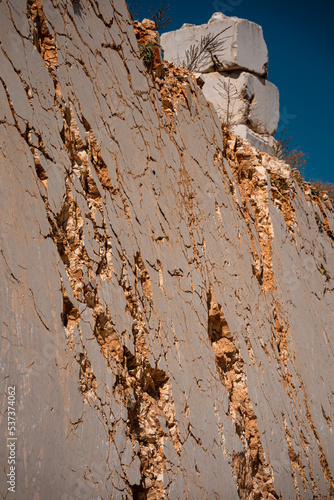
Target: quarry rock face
{"x":166,"y":288}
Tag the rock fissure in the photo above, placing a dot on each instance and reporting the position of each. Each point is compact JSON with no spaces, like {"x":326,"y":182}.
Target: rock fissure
{"x":111,"y":238}
{"x":252,"y":472}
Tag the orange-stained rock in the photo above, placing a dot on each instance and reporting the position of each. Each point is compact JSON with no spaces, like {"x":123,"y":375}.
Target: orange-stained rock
{"x":166,"y":289}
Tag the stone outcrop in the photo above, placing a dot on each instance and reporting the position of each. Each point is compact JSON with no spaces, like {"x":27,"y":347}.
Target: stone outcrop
{"x":234,"y":71}
{"x":166,"y":289}
{"x":243,"y":98}
{"x":243,"y":46}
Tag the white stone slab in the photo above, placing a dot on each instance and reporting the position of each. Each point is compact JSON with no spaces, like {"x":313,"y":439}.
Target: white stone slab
{"x":244,"y":48}
{"x":264,"y":143}
{"x":243,"y":98}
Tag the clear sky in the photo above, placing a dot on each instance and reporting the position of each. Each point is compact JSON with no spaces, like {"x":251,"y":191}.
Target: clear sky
{"x":300,"y":39}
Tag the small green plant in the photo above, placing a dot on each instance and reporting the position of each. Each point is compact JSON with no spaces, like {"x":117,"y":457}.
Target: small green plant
{"x":326,"y":274}
{"x":280,"y":183}
{"x":129,"y":399}
{"x":284,"y":184}
{"x":147,"y":52}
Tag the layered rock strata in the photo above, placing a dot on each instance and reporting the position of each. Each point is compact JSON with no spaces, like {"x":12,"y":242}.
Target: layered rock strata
{"x":166,"y":289}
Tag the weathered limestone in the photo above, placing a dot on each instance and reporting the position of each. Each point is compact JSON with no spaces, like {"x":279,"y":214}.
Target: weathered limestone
{"x":166,"y":303}
{"x":244,"y":46}
{"x":242,"y":98}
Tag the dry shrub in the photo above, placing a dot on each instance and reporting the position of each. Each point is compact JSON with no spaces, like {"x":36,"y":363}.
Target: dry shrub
{"x":297,"y":160}
{"x":292,"y":155}
{"x":323,"y":187}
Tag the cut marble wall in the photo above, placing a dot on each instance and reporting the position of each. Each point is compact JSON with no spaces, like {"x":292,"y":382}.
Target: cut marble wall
{"x":265,"y":143}
{"x":131,"y":261}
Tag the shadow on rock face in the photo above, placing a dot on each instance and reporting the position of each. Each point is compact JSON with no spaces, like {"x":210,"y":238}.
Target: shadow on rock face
{"x":77,"y":7}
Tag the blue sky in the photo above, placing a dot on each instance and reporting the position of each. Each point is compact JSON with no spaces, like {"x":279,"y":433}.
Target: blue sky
{"x":300,"y":39}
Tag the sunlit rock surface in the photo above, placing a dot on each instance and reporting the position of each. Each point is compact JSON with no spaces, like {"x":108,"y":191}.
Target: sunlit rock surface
{"x":227,"y":53}
{"x":241,"y":44}
{"x":242,"y":98}
{"x":166,"y":289}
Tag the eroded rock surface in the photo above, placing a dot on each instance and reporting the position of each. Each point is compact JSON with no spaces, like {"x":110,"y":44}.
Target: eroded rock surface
{"x":166,"y":289}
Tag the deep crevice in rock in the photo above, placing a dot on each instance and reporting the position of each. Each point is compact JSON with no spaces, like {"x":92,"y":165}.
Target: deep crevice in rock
{"x":252,"y":472}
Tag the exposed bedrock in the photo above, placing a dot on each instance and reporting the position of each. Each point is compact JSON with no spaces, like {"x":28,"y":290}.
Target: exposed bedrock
{"x":166,"y":289}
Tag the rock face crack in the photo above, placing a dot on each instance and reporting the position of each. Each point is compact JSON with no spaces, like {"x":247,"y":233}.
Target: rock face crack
{"x":252,"y":471}
{"x":41,"y":36}
{"x":122,"y":199}
{"x":151,"y":397}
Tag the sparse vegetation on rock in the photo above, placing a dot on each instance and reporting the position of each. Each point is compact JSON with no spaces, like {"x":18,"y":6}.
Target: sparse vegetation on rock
{"x":166,"y":288}
{"x":209,"y":46}
{"x":147,"y":52}
{"x":160,"y":16}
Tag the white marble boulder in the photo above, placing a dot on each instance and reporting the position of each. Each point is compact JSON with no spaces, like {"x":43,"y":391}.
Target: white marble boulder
{"x":244,"y":48}
{"x":243,"y":98}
